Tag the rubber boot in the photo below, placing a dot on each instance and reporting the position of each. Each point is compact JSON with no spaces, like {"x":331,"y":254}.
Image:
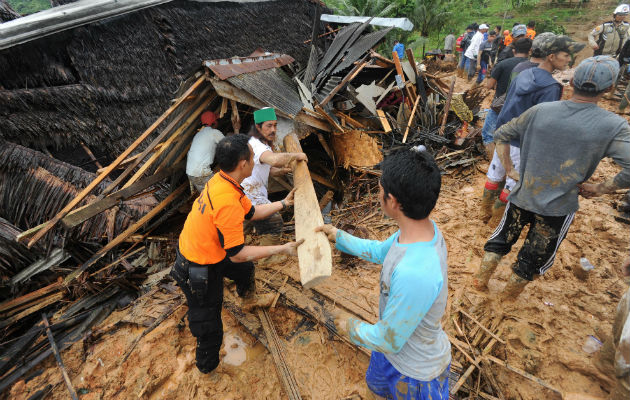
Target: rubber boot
{"x":489,"y":264}
{"x":498,"y":208}
{"x":490,"y":196}
{"x":514,"y":287}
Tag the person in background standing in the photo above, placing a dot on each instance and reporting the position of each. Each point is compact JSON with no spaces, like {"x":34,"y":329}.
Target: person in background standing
{"x":518,"y":32}
{"x":399,"y":48}
{"x":531,"y":33}
{"x":449,"y":42}
{"x":201,"y":154}
{"x":473,"y":50}
{"x":484,"y":59}
{"x":464,"y":43}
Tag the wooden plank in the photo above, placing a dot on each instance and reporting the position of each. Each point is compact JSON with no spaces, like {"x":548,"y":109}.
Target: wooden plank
{"x":236,"y":119}
{"x":411,"y":118}
{"x":55,"y":350}
{"x":13,"y":303}
{"x":314,"y":255}
{"x":88,"y":189}
{"x":447,"y":107}
{"x":128,"y":232}
{"x":351,"y":75}
{"x":184,"y":127}
{"x":398,"y":65}
{"x":381,"y":116}
{"x":328,"y":118}
{"x":165,"y":132}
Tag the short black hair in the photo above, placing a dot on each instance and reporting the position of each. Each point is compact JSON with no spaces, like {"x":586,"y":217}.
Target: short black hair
{"x":492,"y":33}
{"x":231,"y":150}
{"x":498,"y":28}
{"x":531,"y":24}
{"x":516,"y":23}
{"x":414,"y":179}
{"x":396,"y":41}
{"x":522,"y":45}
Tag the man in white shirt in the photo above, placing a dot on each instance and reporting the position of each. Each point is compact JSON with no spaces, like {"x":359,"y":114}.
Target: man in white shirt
{"x":473,"y":50}
{"x":201,"y":153}
{"x":266,"y":162}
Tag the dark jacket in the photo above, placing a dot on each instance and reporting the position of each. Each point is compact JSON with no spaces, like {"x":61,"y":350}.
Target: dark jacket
{"x":530,"y":87}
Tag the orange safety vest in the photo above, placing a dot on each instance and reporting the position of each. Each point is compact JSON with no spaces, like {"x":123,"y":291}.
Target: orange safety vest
{"x":531,"y":33}
{"x":215,"y":222}
{"x":508,"y":40}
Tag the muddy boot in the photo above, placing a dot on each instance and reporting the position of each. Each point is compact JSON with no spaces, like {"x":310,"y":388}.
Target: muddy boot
{"x":489,"y":264}
{"x":498,"y":208}
{"x":490,"y":196}
{"x":514,"y":287}
{"x":460,"y":72}
{"x":258,"y":300}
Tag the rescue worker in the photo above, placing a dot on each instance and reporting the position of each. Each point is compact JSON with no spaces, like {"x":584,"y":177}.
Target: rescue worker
{"x":608,"y":38}
{"x":518,"y":32}
{"x":212,"y":245}
{"x":266,"y":162}
{"x":531,"y":31}
{"x":201,"y":154}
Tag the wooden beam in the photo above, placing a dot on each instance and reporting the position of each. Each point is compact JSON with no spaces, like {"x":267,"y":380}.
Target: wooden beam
{"x":236,"y":119}
{"x":328,"y":118}
{"x":381,"y":116}
{"x":128,"y":232}
{"x":524,"y":374}
{"x":182,"y":128}
{"x":411,"y":118}
{"x":447,"y":107}
{"x":314,"y":255}
{"x":165,"y":132}
{"x":88,"y":189}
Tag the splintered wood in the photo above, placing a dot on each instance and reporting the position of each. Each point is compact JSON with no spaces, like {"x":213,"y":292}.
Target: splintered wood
{"x":315,"y":254}
{"x":357,"y":149}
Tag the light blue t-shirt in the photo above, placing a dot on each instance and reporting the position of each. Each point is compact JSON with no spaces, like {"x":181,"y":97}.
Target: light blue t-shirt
{"x":400,"y":49}
{"x":413,"y":295}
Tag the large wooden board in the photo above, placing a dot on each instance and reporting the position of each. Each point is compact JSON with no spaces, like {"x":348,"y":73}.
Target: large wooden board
{"x":314,"y":255}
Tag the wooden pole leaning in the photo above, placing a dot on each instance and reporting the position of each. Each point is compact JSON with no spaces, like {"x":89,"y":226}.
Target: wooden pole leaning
{"x":315,"y":254}
{"x":88,"y":189}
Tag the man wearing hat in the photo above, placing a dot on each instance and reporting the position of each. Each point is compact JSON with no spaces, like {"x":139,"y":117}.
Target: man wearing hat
{"x":609,"y":37}
{"x":561,"y":144}
{"x":266,"y":162}
{"x":530,"y":87}
{"x":518,"y":32}
{"x":201,"y":154}
{"x":473,"y":50}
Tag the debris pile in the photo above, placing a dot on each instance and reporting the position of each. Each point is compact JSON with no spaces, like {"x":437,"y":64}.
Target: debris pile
{"x":110,"y":236}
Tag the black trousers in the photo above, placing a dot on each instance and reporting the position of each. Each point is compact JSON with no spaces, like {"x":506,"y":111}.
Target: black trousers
{"x":541,"y":244}
{"x":203,"y":287}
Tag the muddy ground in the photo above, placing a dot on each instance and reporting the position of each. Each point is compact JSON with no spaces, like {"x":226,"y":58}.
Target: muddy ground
{"x":544,"y":329}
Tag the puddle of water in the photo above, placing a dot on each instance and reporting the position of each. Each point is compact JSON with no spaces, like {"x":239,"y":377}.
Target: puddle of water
{"x":235,"y":349}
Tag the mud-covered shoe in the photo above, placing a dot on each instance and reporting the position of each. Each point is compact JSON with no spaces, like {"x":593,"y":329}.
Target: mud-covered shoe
{"x":489,"y":264}
{"x":259,"y":300}
{"x":514,"y":287}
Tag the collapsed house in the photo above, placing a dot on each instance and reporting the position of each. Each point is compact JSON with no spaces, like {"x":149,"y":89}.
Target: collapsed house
{"x":88,"y":242}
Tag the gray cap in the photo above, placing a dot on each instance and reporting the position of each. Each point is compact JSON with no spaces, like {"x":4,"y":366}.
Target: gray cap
{"x":519,"y":30}
{"x":596,"y":74}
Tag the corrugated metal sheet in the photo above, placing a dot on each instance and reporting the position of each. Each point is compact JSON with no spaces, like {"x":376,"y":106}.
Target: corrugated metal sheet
{"x":331,"y":83}
{"x":361,"y":46}
{"x":273,"y":87}
{"x":337,"y":45}
{"x":228,"y":67}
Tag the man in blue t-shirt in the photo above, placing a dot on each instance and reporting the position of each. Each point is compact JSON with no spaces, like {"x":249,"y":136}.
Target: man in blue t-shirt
{"x":411,"y":353}
{"x":400,"y":49}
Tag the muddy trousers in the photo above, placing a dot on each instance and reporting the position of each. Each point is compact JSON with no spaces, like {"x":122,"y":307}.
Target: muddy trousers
{"x":541,"y":244}
{"x":203,"y":287}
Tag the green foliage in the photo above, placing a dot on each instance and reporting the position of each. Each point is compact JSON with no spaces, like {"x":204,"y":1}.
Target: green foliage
{"x":29,"y":6}
{"x":368,"y":8}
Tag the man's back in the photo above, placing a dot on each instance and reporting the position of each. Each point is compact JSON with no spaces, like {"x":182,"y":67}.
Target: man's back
{"x":449,"y":40}
{"x":562,"y":143}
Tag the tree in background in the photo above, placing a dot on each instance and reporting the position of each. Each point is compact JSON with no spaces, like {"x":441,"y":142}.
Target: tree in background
{"x":429,"y":16}
{"x":369,"y":8}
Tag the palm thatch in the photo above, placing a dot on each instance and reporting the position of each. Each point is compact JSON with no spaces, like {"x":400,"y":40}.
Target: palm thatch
{"x":105,"y":82}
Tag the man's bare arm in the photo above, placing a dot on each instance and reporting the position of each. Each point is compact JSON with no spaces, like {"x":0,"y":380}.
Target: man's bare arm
{"x":280,"y":160}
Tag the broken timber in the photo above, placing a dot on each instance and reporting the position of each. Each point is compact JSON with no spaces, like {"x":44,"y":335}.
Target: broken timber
{"x":315,"y":254}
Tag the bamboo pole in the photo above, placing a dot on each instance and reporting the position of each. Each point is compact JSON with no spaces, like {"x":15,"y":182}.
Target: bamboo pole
{"x":55,"y":350}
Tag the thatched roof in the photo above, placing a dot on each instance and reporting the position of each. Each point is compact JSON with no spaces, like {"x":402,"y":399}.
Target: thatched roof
{"x":6,"y":12}
{"x":104,"y":83}
{"x":34,"y":187}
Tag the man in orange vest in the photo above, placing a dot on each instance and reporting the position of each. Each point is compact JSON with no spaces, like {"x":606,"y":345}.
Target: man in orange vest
{"x":212,"y":245}
{"x":531,"y":33}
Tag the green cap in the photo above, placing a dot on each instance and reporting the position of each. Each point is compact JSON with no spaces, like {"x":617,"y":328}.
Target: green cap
{"x":264,"y":114}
